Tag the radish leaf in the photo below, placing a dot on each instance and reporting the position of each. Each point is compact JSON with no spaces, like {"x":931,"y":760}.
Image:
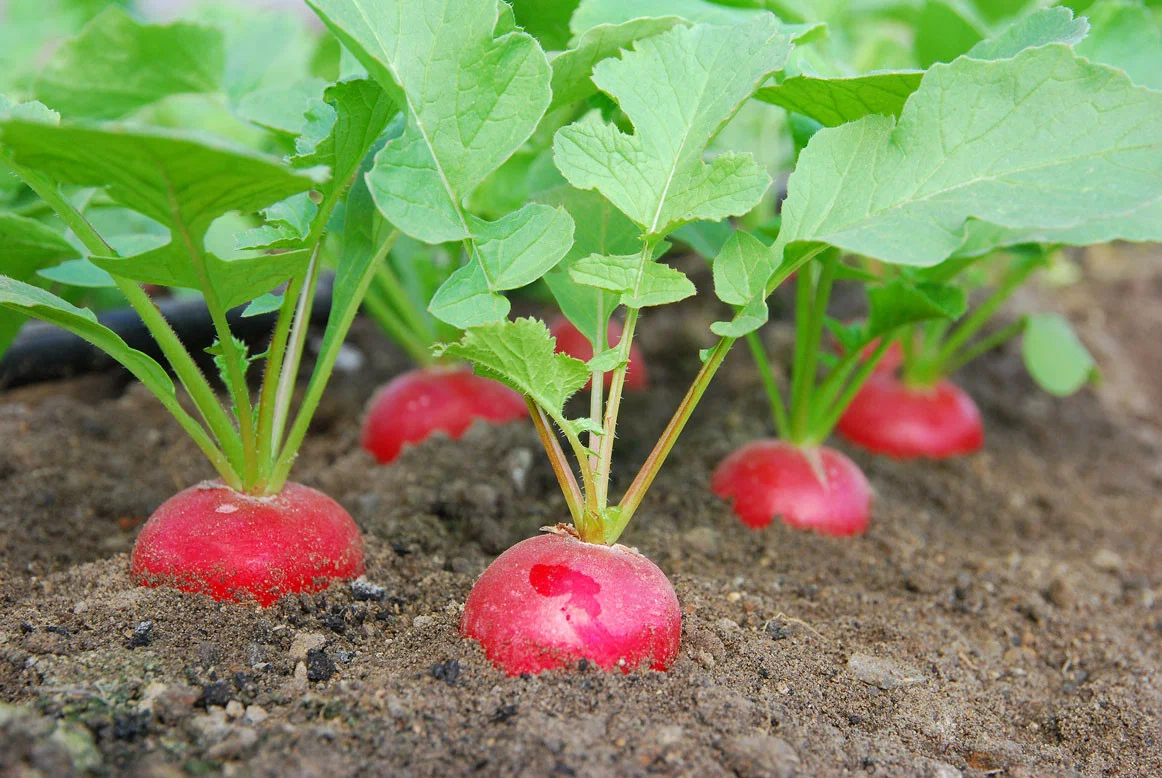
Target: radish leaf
{"x":1055,"y":357}
{"x":898,"y":303}
{"x":640,"y":281}
{"x":1126,"y":36}
{"x":116,"y":65}
{"x":678,"y":89}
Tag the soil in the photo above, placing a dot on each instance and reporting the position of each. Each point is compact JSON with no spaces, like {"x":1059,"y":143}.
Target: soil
{"x":1000,"y":617}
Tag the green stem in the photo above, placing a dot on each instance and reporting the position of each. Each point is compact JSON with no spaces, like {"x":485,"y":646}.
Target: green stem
{"x":778,"y":410}
{"x":807,"y":346}
{"x":823,"y":430}
{"x":376,"y":304}
{"x":175,"y":353}
{"x":597,"y":381}
{"x":267,"y":442}
{"x":341,"y":319}
{"x":827,"y":392}
{"x":605,"y":458}
{"x":561,"y":468}
{"x":389,"y":282}
{"x":636,"y":492}
{"x":959,"y":360}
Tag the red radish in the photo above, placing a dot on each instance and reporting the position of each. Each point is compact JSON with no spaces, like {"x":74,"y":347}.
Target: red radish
{"x":233,"y":546}
{"x":570,"y":341}
{"x":769,"y":478}
{"x":889,"y":417}
{"x":434,"y":399}
{"x":553,"y":600}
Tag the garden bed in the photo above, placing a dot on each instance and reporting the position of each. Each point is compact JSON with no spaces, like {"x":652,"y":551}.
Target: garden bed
{"x":999,"y":617}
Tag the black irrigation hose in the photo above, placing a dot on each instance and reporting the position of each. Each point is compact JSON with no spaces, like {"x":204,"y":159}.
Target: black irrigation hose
{"x":44,"y":352}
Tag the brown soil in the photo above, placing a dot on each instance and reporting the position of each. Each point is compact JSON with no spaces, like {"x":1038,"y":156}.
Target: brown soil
{"x":999,"y":618}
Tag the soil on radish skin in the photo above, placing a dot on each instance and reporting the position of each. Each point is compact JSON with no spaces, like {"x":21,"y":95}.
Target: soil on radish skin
{"x":999,"y":617}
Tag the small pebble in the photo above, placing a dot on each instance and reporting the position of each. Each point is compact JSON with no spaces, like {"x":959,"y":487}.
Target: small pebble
{"x":256,"y":714}
{"x":235,"y":709}
{"x":305,"y":642}
{"x":319,"y":665}
{"x":364,"y":590}
{"x":142,"y":635}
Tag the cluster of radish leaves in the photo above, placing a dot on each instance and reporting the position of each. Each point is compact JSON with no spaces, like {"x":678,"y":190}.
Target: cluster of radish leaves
{"x":182,"y":183}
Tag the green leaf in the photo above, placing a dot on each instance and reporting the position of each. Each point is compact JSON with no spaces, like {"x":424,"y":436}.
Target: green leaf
{"x":599,"y":228}
{"x":288,"y":223}
{"x":282,"y":109}
{"x":572,"y":69}
{"x":605,"y":362}
{"x":1043,"y":142}
{"x":548,"y":20}
{"x":678,"y":89}
{"x":640,"y":281}
{"x":898,"y":303}
{"x":117,"y":65}
{"x":945,"y":29}
{"x":359,"y":112}
{"x":31,"y":111}
{"x":31,"y":301}
{"x":835,"y":101}
{"x":436,"y":58}
{"x":510,"y":253}
{"x":1126,"y":36}
{"x":27,"y":246}
{"x":183,"y":182}
{"x":741,"y":272}
{"x":78,"y":272}
{"x":521,"y":355}
{"x":1049,"y":25}
{"x":705,"y":238}
{"x":1055,"y":357}
{"x":593,"y":13}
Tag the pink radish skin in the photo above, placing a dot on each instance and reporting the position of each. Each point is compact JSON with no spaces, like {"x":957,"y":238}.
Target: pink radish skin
{"x":232,"y":546}
{"x":769,"y":478}
{"x":570,"y":341}
{"x":553,"y":600}
{"x":418,"y":403}
{"x":888,"y":417}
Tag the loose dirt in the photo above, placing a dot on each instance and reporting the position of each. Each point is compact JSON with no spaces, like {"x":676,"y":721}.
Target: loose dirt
{"x":1000,"y":617}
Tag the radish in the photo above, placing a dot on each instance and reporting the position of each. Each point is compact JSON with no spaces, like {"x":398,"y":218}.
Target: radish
{"x":573,"y":342}
{"x":251,"y":535}
{"x":890,"y":417}
{"x":413,"y":406}
{"x":818,"y":489}
{"x":230,"y":545}
{"x":553,"y":600}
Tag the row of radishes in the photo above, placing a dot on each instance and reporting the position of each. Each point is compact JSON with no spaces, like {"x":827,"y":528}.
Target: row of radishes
{"x":445,"y":161}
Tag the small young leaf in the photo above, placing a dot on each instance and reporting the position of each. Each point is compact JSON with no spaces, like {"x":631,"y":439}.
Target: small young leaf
{"x":897,"y":303}
{"x":117,"y":65}
{"x":606,"y":361}
{"x":267,"y":303}
{"x":521,"y":354}
{"x":741,"y":272}
{"x":1040,"y":28}
{"x":510,"y":253}
{"x":835,"y":101}
{"x":657,"y":176}
{"x":1055,"y":357}
{"x":287,"y":224}
{"x":640,"y":281}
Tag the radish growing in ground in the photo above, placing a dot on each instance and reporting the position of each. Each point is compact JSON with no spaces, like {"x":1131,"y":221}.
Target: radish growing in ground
{"x":251,"y":534}
{"x":917,"y":411}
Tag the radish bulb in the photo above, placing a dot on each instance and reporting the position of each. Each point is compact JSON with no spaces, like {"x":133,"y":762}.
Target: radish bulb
{"x":889,"y":417}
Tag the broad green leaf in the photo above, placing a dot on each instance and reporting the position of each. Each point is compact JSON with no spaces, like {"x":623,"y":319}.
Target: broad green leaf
{"x":521,"y":354}
{"x":641,"y":282}
{"x":27,"y":246}
{"x":1126,"y":36}
{"x":572,"y":69}
{"x":741,"y":269}
{"x":593,"y":13}
{"x":835,"y":101}
{"x":31,"y":301}
{"x":79,"y":273}
{"x":1055,"y":357}
{"x":511,"y":252}
{"x":1044,"y":142}
{"x":898,"y":303}
{"x":838,"y":100}
{"x":282,"y":109}
{"x":183,"y":182}
{"x":117,"y":65}
{"x":678,"y":89}
{"x":599,"y":228}
{"x":436,"y":57}
{"x":1049,"y":25}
